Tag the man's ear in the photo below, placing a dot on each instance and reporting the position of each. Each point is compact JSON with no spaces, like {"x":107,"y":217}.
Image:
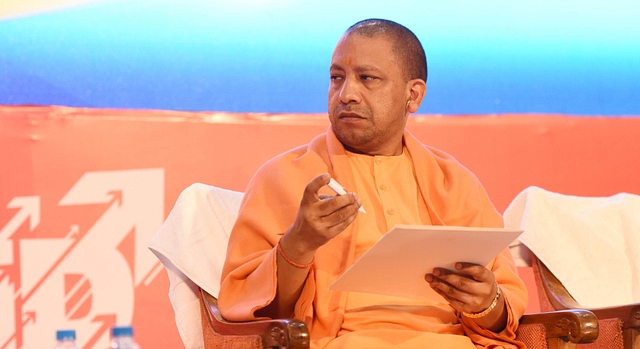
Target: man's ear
{"x":416,"y":89}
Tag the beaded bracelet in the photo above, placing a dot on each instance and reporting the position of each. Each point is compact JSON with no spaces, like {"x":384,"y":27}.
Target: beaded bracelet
{"x":297,"y":265}
{"x":489,"y":309}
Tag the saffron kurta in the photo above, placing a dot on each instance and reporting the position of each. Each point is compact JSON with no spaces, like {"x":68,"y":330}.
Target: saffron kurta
{"x":447,"y":194}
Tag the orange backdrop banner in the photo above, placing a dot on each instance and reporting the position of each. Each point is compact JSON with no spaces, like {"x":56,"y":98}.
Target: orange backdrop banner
{"x":82,"y":191}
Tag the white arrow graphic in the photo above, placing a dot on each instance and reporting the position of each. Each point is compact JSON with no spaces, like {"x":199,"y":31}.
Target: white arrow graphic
{"x":136,"y":199}
{"x":29,"y":207}
{"x":111,"y":254}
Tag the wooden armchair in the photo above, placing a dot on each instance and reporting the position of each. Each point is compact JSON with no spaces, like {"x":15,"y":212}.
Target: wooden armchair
{"x":589,"y":244}
{"x":552,"y":330}
{"x":206,"y":214}
{"x":619,"y":326}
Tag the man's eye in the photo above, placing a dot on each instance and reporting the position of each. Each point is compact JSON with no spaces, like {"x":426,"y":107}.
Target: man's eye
{"x":336,"y":77}
{"x":367,"y":77}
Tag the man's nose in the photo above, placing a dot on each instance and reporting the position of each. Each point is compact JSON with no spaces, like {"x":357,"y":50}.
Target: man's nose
{"x":349,"y":91}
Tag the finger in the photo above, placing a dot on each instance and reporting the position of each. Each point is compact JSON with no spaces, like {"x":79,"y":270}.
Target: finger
{"x":459,"y":299}
{"x":336,"y":213}
{"x":338,"y":203}
{"x":446,"y":281}
{"x":475,"y":295}
{"x":342,"y":217}
{"x":445,"y":272}
{"x":475,"y":271}
{"x":462,"y":282}
{"x":484,"y":287}
{"x":449,"y":292}
{"x":456,"y":303}
{"x":310,"y":195}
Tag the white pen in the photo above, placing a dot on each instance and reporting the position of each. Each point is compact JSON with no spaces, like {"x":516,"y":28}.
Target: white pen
{"x":335,"y":186}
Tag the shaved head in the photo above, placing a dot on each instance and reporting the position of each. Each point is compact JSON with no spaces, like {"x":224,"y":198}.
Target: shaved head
{"x":406,"y":46}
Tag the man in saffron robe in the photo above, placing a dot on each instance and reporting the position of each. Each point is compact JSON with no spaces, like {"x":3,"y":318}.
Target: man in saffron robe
{"x":293,"y":238}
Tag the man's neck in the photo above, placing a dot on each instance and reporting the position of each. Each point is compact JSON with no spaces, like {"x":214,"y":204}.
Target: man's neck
{"x":395,"y":151}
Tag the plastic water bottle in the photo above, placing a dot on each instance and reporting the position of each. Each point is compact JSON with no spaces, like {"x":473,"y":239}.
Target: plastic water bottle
{"x":66,"y":339}
{"x":122,"y":338}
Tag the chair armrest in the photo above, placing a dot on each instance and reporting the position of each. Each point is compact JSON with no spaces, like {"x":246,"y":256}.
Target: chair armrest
{"x":575,"y":325}
{"x":629,"y":314}
{"x":561,"y":299}
{"x":280,"y":333}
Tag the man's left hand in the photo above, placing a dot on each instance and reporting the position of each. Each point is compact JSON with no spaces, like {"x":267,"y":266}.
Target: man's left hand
{"x":471,"y":288}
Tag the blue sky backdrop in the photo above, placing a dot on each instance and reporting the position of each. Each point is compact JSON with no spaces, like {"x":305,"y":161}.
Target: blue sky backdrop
{"x":494,"y":56}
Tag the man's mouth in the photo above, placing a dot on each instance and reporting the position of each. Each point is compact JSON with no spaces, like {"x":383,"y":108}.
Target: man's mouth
{"x":349,"y":115}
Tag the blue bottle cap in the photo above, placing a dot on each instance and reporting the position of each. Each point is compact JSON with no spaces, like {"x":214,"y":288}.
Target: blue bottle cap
{"x":117,"y":331}
{"x":65,"y":335}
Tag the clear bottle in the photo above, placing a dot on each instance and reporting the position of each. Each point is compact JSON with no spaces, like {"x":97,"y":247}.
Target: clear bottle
{"x":66,"y":339}
{"x":122,"y":338}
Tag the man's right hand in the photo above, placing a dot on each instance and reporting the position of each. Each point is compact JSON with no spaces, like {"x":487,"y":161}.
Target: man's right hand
{"x":319,"y":219}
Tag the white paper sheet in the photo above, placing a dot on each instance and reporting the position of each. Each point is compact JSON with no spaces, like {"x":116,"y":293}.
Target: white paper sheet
{"x":397,"y":263}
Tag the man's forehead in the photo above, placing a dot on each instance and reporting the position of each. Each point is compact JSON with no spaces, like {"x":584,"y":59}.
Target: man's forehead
{"x":355,"y":46}
{"x":363,"y":39}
